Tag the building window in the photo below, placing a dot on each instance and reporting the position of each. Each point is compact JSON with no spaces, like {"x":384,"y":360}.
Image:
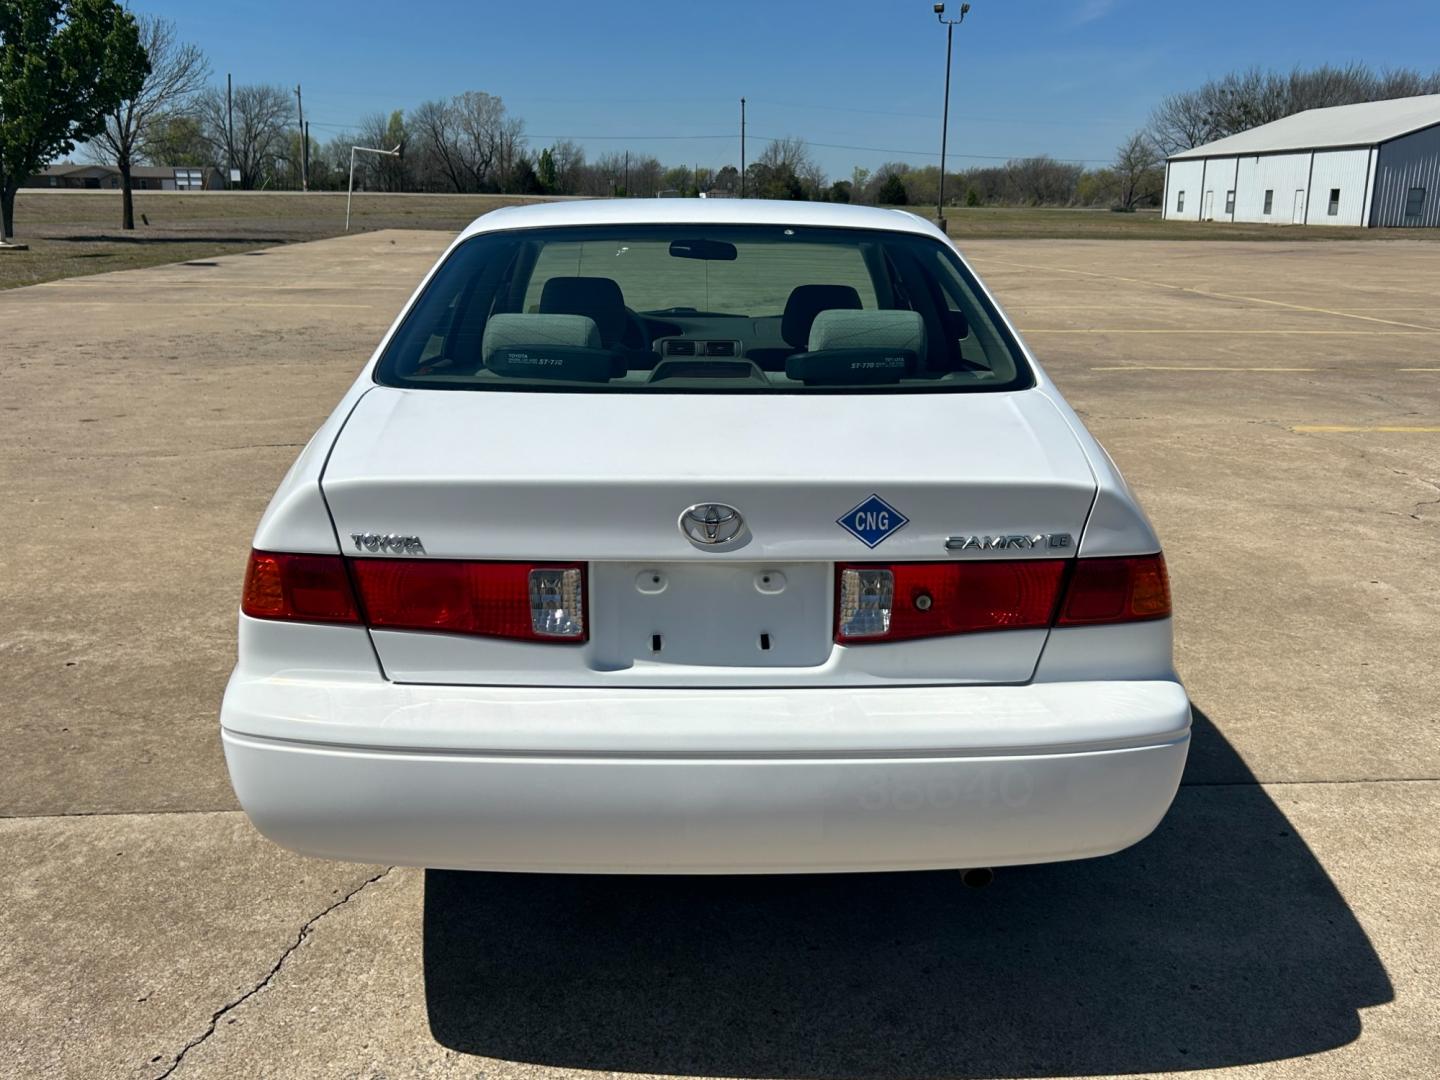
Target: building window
{"x":1414,"y":201}
{"x":1334,"y":207}
{"x":1229,"y":202}
{"x":1180,"y":203}
{"x":1269,"y":200}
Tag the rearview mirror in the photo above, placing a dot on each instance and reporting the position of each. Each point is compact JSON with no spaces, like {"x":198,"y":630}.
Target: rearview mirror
{"x":709,"y":250}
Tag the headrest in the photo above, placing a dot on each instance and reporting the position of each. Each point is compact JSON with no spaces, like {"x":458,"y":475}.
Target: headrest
{"x":807,"y":301}
{"x":529,"y":331}
{"x":598,"y":298}
{"x":868,"y":330}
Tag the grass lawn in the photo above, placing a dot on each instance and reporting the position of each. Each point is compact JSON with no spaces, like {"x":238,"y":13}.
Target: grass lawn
{"x":1043,"y":223}
{"x":78,"y":232}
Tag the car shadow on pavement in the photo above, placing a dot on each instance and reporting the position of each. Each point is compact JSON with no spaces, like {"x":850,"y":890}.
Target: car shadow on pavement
{"x":1217,"y":941}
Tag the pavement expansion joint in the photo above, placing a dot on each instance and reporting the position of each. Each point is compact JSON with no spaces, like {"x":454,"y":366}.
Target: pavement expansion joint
{"x":269,"y":977}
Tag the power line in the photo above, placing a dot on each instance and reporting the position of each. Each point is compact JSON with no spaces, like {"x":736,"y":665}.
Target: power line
{"x":933,"y":154}
{"x":899,"y":152}
{"x":631,"y":138}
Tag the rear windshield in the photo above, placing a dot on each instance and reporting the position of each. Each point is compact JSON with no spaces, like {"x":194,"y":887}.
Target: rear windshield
{"x":697,"y":309}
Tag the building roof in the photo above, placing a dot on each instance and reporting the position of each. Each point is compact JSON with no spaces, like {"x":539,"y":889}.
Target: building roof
{"x":699,"y":212}
{"x":159,"y":172}
{"x":70,"y":168}
{"x":1365,"y":124}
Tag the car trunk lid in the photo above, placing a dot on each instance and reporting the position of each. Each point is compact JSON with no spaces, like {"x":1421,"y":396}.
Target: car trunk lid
{"x":603,"y":479}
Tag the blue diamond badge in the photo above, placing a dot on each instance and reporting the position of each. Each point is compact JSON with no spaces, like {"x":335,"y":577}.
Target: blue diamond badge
{"x":872,"y":521}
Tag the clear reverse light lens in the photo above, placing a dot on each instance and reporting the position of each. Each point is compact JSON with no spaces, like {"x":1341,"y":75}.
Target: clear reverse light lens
{"x":556,"y":607}
{"x":867,"y":598}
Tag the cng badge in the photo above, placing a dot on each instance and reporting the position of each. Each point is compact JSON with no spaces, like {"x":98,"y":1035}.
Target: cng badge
{"x":872,"y":521}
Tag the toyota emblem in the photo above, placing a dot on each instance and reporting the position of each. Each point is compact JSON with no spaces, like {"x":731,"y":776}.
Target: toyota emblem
{"x":711,"y":524}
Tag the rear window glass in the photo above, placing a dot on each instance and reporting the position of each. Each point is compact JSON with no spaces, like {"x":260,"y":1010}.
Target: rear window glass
{"x":675,"y":308}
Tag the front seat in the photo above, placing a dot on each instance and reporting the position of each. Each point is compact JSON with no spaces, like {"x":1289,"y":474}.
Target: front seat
{"x":803,"y":304}
{"x":597,"y":298}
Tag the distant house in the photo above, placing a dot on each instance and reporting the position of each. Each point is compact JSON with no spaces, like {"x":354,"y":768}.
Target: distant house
{"x":142,"y":177}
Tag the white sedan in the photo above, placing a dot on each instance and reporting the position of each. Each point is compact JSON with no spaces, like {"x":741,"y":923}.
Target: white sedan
{"x":704,"y":537}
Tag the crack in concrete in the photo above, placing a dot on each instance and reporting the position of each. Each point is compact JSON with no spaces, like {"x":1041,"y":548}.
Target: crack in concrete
{"x":300,"y":939}
{"x":1425,"y":502}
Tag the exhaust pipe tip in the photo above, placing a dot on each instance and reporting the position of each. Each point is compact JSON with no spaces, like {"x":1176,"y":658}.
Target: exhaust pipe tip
{"x":977,"y":877}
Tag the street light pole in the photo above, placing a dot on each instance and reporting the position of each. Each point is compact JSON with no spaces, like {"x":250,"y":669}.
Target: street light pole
{"x":742,"y":147}
{"x":350,"y":192}
{"x":949,"y":25}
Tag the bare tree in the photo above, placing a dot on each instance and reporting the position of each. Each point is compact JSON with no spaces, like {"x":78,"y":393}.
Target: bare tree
{"x":1042,"y":181}
{"x":386,"y":133}
{"x":569,"y":160}
{"x":787,"y":153}
{"x":1246,"y":99}
{"x":781,"y":169}
{"x":1137,"y":162}
{"x":606,"y":176}
{"x":257,"y":137}
{"x":479,"y":120}
{"x":434,"y":127}
{"x":1179,"y":122}
{"x":646,"y":176}
{"x":177,"y":71}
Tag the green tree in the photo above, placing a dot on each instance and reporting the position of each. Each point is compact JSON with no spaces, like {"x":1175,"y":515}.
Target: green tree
{"x":859,"y":183}
{"x":177,"y":140}
{"x":972,"y":197}
{"x":545,"y":172}
{"x":523,"y":180}
{"x":64,"y":64}
{"x":892,"y":192}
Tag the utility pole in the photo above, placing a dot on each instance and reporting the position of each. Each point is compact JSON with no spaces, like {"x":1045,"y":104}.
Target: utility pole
{"x":304,"y":143}
{"x":742,"y":148}
{"x":305,"y":134}
{"x":229,"y":130}
{"x":949,"y":25}
{"x":627,"y":174}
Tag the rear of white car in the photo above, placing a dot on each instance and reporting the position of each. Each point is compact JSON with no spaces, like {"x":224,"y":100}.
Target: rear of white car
{"x":704,"y":537}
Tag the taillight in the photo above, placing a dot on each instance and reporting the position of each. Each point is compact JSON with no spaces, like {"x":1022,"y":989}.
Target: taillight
{"x":493,"y":599}
{"x":1125,"y":589}
{"x":298,"y":588}
{"x":902,"y":601}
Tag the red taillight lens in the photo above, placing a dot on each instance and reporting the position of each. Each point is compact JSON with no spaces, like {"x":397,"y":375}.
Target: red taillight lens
{"x":494,"y":599}
{"x":298,"y":588}
{"x":1125,"y":589}
{"x":932,"y":599}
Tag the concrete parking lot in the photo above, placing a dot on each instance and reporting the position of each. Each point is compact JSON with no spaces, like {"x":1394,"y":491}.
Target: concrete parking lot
{"x":1277,"y":407}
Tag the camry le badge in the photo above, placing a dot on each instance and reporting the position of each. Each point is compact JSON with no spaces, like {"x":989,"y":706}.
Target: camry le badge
{"x":1008,"y":542}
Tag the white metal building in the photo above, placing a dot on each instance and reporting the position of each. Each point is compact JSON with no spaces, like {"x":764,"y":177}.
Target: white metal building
{"x":1376,"y":163}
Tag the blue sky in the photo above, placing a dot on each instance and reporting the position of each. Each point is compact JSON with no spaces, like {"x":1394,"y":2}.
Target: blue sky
{"x":1066,"y":77}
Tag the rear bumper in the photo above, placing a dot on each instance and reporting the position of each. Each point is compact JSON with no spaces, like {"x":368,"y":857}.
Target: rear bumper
{"x":894,"y":779}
